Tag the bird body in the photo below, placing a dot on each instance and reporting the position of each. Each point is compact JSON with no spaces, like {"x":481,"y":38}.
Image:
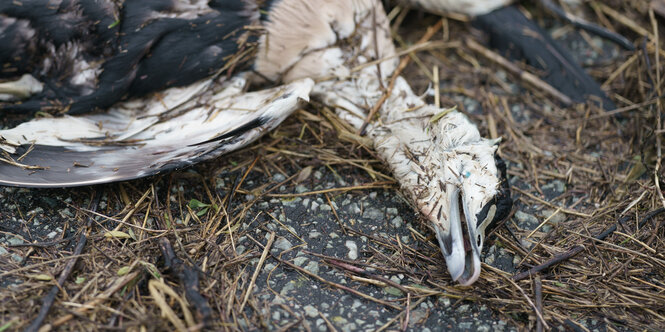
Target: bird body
{"x":151,"y":86}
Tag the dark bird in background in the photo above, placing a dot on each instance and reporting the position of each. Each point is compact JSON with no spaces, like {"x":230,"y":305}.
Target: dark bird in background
{"x":141,"y":87}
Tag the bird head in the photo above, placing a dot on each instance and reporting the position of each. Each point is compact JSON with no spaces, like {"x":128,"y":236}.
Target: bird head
{"x":466,"y":191}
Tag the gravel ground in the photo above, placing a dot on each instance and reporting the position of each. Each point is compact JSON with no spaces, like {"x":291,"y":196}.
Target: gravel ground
{"x":304,"y":226}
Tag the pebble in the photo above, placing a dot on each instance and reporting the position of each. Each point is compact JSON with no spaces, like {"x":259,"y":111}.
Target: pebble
{"x":278,"y":177}
{"x":301,"y":189}
{"x":311,"y":311}
{"x":299,"y":261}
{"x":314,"y":235}
{"x":14,"y":241}
{"x":557,"y":186}
{"x":416,"y":316}
{"x":397,"y":222}
{"x":291,"y":285}
{"x":282,"y":244}
{"x":268,"y":267}
{"x":313,"y":267}
{"x":373,"y":213}
{"x":353,"y":249}
{"x":524,"y":217}
{"x":556,"y":219}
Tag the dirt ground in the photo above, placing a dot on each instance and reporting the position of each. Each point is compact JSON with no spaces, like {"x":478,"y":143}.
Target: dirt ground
{"x":307,"y":230}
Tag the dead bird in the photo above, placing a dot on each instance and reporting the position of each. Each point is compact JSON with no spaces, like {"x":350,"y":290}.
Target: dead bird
{"x":150,"y":86}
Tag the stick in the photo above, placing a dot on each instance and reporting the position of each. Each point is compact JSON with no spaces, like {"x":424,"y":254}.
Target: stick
{"x":524,"y":75}
{"x":579,"y":248}
{"x":49,"y":299}
{"x":189,"y":276}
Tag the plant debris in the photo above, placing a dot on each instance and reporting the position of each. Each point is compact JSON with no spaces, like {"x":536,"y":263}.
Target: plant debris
{"x":307,"y":230}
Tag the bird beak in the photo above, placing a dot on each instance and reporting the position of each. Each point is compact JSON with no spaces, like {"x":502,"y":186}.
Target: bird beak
{"x":462,"y":234}
{"x":461,"y":253}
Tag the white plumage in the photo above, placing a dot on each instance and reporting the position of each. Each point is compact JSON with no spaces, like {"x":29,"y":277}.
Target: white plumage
{"x":318,"y":49}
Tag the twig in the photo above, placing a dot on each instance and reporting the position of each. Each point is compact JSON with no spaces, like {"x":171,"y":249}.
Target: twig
{"x":524,"y":75}
{"x":189,"y":276}
{"x":336,"y":285}
{"x":357,"y":270}
{"x":266,"y":250}
{"x":579,"y":248}
{"x":402,"y":64}
{"x":49,"y":299}
{"x":588,"y":26}
{"x":538,"y":290}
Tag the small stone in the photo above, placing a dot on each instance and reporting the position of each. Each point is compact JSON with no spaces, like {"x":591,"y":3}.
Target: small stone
{"x":299,"y":261}
{"x":276,"y":315}
{"x":268,"y":267}
{"x":373,"y":213}
{"x":51,"y":235}
{"x":240,"y":249}
{"x":278,"y":177}
{"x":353,"y":249}
{"x":291,"y":285}
{"x":391,"y":211}
{"x":14,"y":241}
{"x":397,"y":222}
{"x":416,"y":316}
{"x":556,"y":219}
{"x":282,"y":244}
{"x":464,"y":326}
{"x":333,"y":235}
{"x":311,"y":311}
{"x":35,"y":211}
{"x":301,"y":189}
{"x":313,"y":267}
{"x":314,"y":234}
{"x":3,"y":251}
{"x":489,"y":259}
{"x":349,"y":327}
{"x":354,"y":208}
{"x":524,"y":217}
{"x":557,"y":186}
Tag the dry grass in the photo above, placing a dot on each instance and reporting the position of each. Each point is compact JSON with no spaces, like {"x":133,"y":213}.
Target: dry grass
{"x":610,"y":167}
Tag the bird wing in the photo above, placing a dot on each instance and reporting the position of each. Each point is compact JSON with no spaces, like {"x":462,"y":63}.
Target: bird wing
{"x":143,"y":137}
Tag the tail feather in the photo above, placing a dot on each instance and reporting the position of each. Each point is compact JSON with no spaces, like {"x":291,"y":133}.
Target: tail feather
{"x":520,"y":38}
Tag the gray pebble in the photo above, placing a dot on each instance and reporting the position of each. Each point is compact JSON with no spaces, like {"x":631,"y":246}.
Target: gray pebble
{"x":299,"y":261}
{"x":524,"y":217}
{"x":353,"y":249}
{"x":313,"y":267}
{"x":282,"y":244}
{"x":311,"y":311}
{"x":397,"y":222}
